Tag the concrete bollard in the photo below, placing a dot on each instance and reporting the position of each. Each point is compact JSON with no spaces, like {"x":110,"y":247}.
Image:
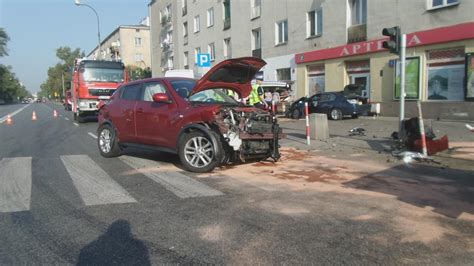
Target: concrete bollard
{"x":318,"y":124}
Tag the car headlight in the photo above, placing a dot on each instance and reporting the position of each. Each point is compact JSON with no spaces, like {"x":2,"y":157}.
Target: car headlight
{"x":83,"y":104}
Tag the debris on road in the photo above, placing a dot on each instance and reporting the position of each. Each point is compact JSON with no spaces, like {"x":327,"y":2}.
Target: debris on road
{"x":410,"y":156}
{"x":357,"y":131}
{"x":471,"y":128}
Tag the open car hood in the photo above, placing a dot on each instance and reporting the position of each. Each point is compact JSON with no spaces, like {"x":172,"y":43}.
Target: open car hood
{"x":234,"y":74}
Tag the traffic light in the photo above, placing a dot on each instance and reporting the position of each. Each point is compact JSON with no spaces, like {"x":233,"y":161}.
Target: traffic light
{"x":394,"y":43}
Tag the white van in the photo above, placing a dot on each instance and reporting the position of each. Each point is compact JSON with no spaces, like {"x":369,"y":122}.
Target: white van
{"x":180,"y":73}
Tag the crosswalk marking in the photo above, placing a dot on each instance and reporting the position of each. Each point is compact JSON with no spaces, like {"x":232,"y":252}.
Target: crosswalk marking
{"x":94,"y":185}
{"x":15,"y":184}
{"x":181,"y":185}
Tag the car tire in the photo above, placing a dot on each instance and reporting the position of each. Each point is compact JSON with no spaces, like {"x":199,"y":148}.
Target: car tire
{"x":197,"y":152}
{"x":295,"y":114}
{"x":80,"y":119}
{"x":107,"y":142}
{"x":335,"y":114}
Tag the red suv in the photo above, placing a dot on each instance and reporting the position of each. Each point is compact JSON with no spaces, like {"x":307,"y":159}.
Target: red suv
{"x":196,"y":119}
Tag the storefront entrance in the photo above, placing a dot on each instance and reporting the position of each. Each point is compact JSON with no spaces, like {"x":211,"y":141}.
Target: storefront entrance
{"x":362,"y":79}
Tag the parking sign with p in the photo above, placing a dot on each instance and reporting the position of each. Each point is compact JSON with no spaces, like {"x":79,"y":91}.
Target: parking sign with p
{"x":203,"y":60}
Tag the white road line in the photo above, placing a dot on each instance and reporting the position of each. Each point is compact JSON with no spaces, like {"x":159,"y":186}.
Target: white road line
{"x":3,"y":119}
{"x":92,"y":135}
{"x":181,"y":185}
{"x":66,"y":118}
{"x":76,"y":124}
{"x":94,"y":185}
{"x":15,"y":184}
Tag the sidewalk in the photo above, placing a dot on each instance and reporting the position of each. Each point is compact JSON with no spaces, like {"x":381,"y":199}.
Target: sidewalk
{"x":376,"y":144}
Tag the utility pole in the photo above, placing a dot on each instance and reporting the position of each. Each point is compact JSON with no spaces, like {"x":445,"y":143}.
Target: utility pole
{"x":401,"y":132}
{"x":397,"y":45}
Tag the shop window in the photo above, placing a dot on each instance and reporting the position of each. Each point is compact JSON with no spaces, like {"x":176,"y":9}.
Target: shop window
{"x":316,"y":79}
{"x":446,"y":71}
{"x":283,"y":74}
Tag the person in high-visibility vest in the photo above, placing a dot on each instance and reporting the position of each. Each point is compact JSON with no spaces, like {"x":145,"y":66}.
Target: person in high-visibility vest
{"x":256,"y":96}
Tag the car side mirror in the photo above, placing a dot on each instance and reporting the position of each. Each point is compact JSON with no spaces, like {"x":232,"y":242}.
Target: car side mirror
{"x":161,"y":98}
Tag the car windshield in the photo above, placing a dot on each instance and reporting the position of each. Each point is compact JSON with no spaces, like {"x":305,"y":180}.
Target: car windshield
{"x":103,"y":75}
{"x":216,"y":95}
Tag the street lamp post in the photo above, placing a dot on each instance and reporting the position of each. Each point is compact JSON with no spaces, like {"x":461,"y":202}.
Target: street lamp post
{"x":78,"y":3}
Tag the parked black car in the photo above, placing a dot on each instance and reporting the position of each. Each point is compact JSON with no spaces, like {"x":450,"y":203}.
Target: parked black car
{"x":335,"y":104}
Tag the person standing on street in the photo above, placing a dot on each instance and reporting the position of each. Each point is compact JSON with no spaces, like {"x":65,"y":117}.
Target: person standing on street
{"x":257,"y":97}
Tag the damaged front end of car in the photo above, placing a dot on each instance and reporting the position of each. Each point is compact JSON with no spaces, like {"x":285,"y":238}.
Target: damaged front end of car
{"x":248,"y":133}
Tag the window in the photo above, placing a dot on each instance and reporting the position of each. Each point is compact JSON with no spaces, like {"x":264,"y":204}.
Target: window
{"x":197,"y":22}
{"x":185,"y":29}
{"x":185,"y":59}
{"x":131,"y":92}
{"x":211,"y":50}
{"x":314,"y":23}
{"x":256,"y":39}
{"x":434,"y":4}
{"x":138,"y":57}
{"x":150,"y":89}
{"x":197,"y":51}
{"x":169,"y":37}
{"x":170,"y":62}
{"x":184,"y":7}
{"x":210,"y":17}
{"x":226,"y":9}
{"x":281,"y":32}
{"x":138,"y":41}
{"x":357,"y":12}
{"x":168,"y":11}
{"x":255,"y":8}
{"x":283,"y":74}
{"x":227,"y":49}
{"x":446,"y":72}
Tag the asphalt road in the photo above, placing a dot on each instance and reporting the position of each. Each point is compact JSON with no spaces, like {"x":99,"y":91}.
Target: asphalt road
{"x":61,"y":202}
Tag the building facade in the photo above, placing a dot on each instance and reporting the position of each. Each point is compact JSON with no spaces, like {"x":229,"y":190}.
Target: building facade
{"x":127,"y":43}
{"x":440,"y":40}
{"x":323,"y":45}
{"x":272,"y":30}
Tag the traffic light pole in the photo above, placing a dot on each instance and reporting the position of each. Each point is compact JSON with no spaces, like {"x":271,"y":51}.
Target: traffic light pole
{"x":401,"y":133}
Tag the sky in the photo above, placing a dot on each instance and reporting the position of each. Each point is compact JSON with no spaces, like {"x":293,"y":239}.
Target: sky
{"x":38,"y":27}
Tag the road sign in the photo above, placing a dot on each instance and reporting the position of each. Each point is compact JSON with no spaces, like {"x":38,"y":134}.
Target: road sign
{"x":204,"y":60}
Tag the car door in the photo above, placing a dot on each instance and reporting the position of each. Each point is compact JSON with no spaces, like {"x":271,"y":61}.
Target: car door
{"x":313,"y":103}
{"x":152,"y":118}
{"x":325,"y":103}
{"x":124,"y":118}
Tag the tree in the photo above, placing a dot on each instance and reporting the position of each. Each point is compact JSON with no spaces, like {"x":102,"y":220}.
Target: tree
{"x":136,"y":72}
{"x":61,"y":70}
{"x":3,"y":42}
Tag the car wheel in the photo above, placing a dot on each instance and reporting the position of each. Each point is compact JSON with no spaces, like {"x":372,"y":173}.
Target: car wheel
{"x":336,"y":114}
{"x":80,"y":119}
{"x":295,"y":114}
{"x":107,"y":142}
{"x":197,"y":153}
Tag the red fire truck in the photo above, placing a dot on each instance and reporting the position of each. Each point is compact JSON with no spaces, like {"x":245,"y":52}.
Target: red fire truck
{"x":94,"y":81}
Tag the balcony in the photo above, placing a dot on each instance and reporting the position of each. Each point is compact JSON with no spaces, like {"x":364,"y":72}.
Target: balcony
{"x":226,"y":23}
{"x":257,"y":53}
{"x":185,"y":10}
{"x":357,"y":33}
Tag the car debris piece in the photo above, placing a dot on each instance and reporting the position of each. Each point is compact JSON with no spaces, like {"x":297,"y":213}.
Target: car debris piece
{"x":471,"y":128}
{"x":357,"y":131}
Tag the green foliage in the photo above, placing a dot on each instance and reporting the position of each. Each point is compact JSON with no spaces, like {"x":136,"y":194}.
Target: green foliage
{"x":136,"y":72}
{"x":3,"y":42}
{"x":63,"y":69}
{"x":10,"y":87}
